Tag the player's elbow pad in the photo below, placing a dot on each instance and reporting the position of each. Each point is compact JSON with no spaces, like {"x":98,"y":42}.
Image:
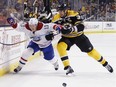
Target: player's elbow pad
{"x":79,"y":27}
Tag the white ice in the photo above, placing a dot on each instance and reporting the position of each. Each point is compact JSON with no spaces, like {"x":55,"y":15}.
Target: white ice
{"x":88,"y":72}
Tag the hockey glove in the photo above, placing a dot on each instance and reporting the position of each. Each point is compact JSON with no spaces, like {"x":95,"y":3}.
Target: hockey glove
{"x":49,"y":36}
{"x":66,"y":29}
{"x":11,"y":21}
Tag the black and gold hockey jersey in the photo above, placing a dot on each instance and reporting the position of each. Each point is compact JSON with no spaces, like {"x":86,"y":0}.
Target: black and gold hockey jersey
{"x":72,"y":18}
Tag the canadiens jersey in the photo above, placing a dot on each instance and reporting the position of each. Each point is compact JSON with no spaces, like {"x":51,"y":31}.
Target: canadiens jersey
{"x":72,"y":18}
{"x":41,"y":31}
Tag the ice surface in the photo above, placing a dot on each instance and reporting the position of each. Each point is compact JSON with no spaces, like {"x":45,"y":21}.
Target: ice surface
{"x":88,"y":72}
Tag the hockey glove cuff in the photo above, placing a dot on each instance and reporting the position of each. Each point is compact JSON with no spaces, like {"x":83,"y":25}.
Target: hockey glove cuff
{"x":49,"y":36}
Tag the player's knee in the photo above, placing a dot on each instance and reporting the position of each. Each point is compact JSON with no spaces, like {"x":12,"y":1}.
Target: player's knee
{"x":27,"y":53}
{"x":61,"y":46}
{"x":49,"y":56}
{"x":87,"y":50}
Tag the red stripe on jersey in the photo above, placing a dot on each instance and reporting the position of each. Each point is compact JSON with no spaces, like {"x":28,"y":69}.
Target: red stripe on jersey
{"x":23,"y":59}
{"x":39,"y":26}
{"x":55,"y":26}
{"x":14,"y":25}
{"x":27,"y":26}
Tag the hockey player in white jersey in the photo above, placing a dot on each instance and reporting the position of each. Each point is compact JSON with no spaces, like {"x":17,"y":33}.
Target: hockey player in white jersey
{"x":41,"y":36}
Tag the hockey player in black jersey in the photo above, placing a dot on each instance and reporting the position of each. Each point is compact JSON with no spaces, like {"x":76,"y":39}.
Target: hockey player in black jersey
{"x":73,"y":33}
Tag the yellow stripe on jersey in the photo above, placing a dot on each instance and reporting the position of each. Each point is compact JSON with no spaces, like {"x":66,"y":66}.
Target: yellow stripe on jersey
{"x":71,"y":13}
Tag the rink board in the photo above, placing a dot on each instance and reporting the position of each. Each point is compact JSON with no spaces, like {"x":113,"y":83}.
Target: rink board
{"x":10,"y":54}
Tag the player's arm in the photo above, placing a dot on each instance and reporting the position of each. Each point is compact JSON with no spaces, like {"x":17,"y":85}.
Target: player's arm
{"x":20,"y":26}
{"x":69,"y":28}
{"x":54,"y":29}
{"x":78,"y":25}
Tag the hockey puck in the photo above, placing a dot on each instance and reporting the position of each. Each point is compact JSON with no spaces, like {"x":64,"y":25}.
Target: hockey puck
{"x":64,"y":84}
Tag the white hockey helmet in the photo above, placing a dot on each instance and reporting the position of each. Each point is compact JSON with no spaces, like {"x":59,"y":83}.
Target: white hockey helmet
{"x":33,"y":21}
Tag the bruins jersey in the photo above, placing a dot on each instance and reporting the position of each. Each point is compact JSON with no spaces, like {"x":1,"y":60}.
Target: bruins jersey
{"x":72,"y":18}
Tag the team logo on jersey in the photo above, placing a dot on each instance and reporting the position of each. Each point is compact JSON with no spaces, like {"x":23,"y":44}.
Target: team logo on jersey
{"x":46,"y":27}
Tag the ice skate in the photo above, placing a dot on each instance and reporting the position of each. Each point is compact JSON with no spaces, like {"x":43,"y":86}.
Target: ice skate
{"x":69,"y":70}
{"x":16,"y":70}
{"x":108,"y":67}
{"x":56,"y":65}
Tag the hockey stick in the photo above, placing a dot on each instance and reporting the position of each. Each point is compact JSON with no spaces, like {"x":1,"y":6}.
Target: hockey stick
{"x":23,"y":40}
{"x":13,"y":43}
{"x":34,"y":2}
{"x":88,"y":18}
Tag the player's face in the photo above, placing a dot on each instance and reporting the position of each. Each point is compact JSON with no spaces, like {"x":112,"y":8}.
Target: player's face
{"x":32,"y":27}
{"x":62,"y":13}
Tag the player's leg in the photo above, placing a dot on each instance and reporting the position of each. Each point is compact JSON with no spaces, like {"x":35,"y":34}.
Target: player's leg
{"x":85,"y":45}
{"x":96,"y":55}
{"x":48,"y":53}
{"x":62,"y":47}
{"x":31,"y":49}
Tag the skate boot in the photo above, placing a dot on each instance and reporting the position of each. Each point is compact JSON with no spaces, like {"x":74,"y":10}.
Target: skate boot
{"x":69,"y":70}
{"x":108,"y":67}
{"x":56,"y":65}
{"x":16,"y":70}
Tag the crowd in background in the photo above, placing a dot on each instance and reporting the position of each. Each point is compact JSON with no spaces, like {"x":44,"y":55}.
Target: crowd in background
{"x":101,"y":10}
{"x":92,"y":10}
{"x":10,"y":6}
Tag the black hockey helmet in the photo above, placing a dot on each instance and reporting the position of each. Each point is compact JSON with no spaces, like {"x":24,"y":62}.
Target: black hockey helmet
{"x":62,"y":7}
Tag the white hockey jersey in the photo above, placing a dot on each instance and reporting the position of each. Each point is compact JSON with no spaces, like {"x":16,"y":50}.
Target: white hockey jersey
{"x":41,"y":31}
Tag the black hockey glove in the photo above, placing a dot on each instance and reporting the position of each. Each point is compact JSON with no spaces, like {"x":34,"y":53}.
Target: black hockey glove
{"x":49,"y":36}
{"x":67,"y":28}
{"x":79,"y":28}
